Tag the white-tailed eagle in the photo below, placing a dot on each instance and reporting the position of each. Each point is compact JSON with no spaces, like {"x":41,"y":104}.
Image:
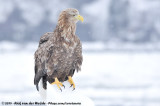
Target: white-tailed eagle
{"x":59,"y":52}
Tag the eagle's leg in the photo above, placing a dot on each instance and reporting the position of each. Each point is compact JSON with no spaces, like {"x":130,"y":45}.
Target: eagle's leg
{"x":71,"y":82}
{"x":58,"y":83}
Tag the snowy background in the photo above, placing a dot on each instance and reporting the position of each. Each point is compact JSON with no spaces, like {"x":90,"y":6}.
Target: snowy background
{"x":121,"y":48}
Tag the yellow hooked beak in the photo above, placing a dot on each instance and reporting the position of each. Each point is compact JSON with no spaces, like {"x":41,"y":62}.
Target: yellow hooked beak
{"x":79,"y":18}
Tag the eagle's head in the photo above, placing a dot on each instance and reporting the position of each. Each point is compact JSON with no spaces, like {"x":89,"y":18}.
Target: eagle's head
{"x":70,"y":15}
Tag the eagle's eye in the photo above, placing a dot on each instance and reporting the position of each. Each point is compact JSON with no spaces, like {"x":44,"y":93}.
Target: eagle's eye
{"x":74,"y":15}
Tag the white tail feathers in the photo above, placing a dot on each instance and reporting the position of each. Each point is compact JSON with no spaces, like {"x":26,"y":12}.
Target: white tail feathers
{"x":42,"y":91}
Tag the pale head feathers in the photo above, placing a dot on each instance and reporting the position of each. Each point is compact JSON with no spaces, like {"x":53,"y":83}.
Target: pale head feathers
{"x":67,"y":22}
{"x":68,"y":16}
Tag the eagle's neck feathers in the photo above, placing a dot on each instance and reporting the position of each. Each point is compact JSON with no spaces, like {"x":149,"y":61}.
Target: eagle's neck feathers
{"x":67,"y":29}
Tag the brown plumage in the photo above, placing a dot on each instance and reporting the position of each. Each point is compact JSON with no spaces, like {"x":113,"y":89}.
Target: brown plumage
{"x":59,"y":53}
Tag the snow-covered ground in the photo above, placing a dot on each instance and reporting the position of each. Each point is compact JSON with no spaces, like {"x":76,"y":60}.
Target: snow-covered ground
{"x":107,"y":79}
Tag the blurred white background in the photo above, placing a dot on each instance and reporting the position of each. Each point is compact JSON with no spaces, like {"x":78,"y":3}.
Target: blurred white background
{"x":120,"y":41}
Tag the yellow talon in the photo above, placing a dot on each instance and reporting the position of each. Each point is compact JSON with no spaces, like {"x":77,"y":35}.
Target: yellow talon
{"x":71,"y":82}
{"x":57,"y":83}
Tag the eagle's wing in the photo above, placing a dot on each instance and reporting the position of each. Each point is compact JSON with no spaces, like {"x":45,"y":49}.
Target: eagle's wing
{"x":78,"y":57}
{"x":40,"y":59}
{"x":44,"y":38}
{"x":78,"y":54}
